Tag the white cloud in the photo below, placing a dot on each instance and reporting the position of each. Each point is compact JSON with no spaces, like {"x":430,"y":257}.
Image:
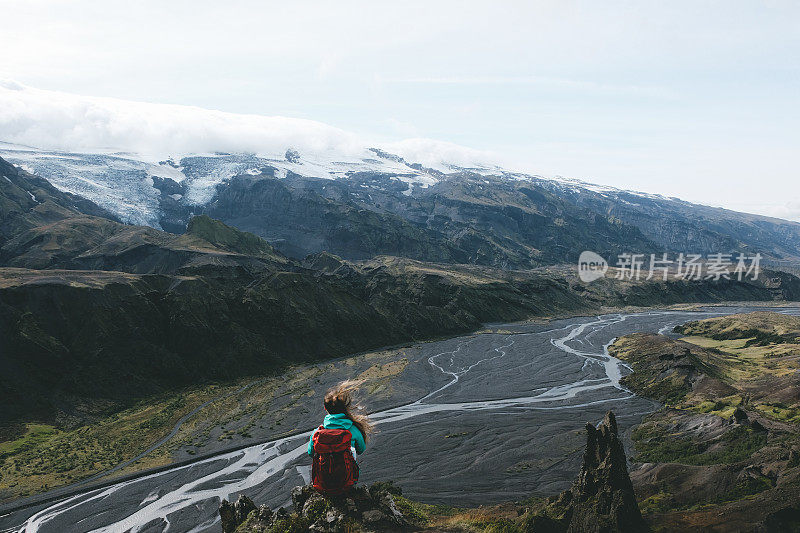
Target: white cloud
{"x":60,"y":121}
{"x":433,"y":153}
{"x":787,"y":211}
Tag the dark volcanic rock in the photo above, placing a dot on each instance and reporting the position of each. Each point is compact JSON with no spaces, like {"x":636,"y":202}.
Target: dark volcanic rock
{"x":602,"y":499}
{"x":292,"y":155}
{"x":175,"y":212}
{"x":300,"y":218}
{"x":469,"y":217}
{"x":372,"y":508}
{"x":452,"y":222}
{"x":168,"y":185}
{"x":233,"y":514}
{"x":741,"y":418}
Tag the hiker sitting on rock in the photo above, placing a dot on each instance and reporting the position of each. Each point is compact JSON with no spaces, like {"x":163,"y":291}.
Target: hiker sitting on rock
{"x":334,"y":445}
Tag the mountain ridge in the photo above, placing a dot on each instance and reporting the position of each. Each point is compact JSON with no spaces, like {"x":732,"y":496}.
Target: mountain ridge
{"x":480,"y":215}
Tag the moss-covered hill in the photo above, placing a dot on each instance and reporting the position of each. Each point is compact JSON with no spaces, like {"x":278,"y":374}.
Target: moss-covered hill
{"x":723,"y":453}
{"x":756,"y":329}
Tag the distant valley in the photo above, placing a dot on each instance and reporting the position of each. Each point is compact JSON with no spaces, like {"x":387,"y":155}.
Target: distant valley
{"x":130,"y":301}
{"x":97,"y":315}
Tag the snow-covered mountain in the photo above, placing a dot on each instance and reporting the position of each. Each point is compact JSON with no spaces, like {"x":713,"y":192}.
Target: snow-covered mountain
{"x":109,"y":150}
{"x":308,"y":187}
{"x":124,"y":182}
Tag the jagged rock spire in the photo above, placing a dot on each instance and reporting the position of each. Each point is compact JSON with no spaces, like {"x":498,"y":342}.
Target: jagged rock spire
{"x":602,"y":499}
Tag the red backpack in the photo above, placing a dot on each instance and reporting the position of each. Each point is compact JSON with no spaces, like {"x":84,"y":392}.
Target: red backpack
{"x":334,"y":469}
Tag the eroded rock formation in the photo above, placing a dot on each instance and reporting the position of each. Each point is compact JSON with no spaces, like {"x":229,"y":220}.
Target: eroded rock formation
{"x":602,"y":499}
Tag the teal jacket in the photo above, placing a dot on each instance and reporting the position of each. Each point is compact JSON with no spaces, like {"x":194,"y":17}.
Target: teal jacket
{"x":341,"y":422}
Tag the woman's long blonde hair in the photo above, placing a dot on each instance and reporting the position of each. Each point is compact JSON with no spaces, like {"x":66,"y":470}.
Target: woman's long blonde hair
{"x":339,"y":400}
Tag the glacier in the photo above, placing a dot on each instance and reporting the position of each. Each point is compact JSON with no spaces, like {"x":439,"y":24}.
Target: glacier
{"x":110,"y":151}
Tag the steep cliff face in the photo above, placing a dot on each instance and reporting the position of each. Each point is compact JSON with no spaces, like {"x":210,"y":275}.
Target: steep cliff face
{"x":44,"y":228}
{"x":679,"y":225}
{"x":28,"y":201}
{"x":301,"y":216}
{"x":487,"y":219}
{"x":462,"y":219}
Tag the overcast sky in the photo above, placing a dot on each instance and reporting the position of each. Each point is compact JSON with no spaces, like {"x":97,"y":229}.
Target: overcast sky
{"x":692,"y":99}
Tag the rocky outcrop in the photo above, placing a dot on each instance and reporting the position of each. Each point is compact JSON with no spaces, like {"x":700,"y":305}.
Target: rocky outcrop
{"x":602,"y":499}
{"x":370,"y":509}
{"x":233,"y":514}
